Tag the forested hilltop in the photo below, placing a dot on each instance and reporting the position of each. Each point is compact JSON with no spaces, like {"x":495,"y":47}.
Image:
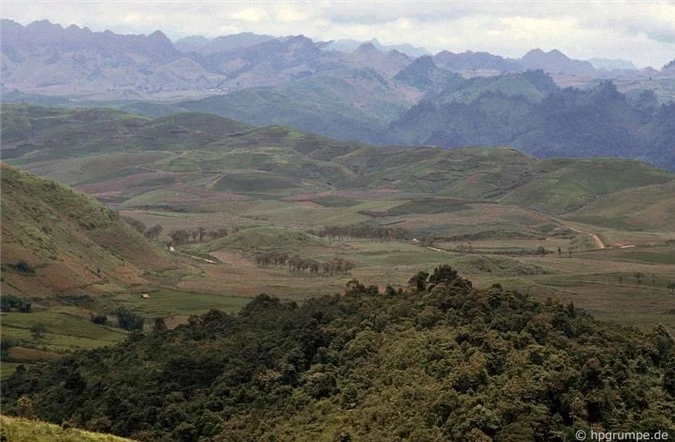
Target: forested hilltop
{"x":437,"y":360}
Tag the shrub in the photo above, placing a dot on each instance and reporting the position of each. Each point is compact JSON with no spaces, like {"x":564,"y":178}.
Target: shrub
{"x":129,"y":320}
{"x":99,"y":319}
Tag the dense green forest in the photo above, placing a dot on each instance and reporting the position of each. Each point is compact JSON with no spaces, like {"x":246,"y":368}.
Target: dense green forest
{"x":436,"y":360}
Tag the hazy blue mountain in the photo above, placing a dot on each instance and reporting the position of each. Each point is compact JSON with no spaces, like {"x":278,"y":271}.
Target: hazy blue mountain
{"x":533,"y":86}
{"x":473,"y":61}
{"x":424,"y":75}
{"x":48,"y":59}
{"x":668,"y":69}
{"x":555,"y":62}
{"x":350,"y":45}
{"x":224,"y":43}
{"x":386,"y":63}
{"x":355,"y":104}
{"x":552,"y":122}
{"x":612,"y":64}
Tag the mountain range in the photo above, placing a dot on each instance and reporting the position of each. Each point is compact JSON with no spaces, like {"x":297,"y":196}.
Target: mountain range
{"x":373,"y":94}
{"x":523,"y":110}
{"x":47,"y":58}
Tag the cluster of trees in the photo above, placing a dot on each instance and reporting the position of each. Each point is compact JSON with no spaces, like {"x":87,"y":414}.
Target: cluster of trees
{"x":364,"y":231}
{"x":151,"y":233}
{"x":128,"y":320}
{"x":178,"y":237}
{"x":271,"y":259}
{"x":10,"y":303}
{"x":336,"y":266}
{"x":436,"y":360}
{"x":182,"y":236}
{"x":99,"y":318}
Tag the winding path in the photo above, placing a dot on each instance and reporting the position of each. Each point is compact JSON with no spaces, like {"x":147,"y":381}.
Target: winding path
{"x":596,"y":239}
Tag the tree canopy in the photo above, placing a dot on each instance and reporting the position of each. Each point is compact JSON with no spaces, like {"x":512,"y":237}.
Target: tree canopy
{"x":438,"y":360}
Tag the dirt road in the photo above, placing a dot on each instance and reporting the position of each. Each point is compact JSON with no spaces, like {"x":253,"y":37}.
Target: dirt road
{"x":596,"y":239}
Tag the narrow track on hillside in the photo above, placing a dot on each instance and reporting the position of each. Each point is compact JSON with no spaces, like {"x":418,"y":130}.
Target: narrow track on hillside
{"x":596,"y":239}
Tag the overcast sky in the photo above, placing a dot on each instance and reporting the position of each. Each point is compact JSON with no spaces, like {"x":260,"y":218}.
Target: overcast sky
{"x":639,"y":31}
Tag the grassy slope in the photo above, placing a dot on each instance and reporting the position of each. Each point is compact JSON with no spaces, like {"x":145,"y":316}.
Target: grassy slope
{"x":121,"y":157}
{"x":70,"y":256}
{"x":71,"y":243}
{"x":36,"y":133}
{"x":24,"y":430}
{"x":648,"y":207}
{"x":568,"y":185}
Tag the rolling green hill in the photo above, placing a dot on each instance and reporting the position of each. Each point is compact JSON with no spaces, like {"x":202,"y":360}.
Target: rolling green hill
{"x":195,"y":162}
{"x":56,"y":240}
{"x":568,"y":185}
{"x":53,"y":133}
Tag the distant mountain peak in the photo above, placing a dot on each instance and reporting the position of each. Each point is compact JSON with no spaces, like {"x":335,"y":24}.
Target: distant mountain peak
{"x":536,"y":51}
{"x":424,"y":62}
{"x":469,"y":60}
{"x":43,"y":23}
{"x":160,"y":36}
{"x":553,"y":54}
{"x":557,"y":53}
{"x":366,"y":48}
{"x":300,"y":39}
{"x":394,"y":54}
{"x":423,"y":74}
{"x":43,"y":26}
{"x":612,"y":64}
{"x":555,"y":61}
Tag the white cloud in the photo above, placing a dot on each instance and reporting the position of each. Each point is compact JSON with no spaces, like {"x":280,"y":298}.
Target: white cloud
{"x":290,"y":14}
{"x":252,"y":15}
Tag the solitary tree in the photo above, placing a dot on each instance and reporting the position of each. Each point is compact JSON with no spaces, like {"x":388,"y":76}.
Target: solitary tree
{"x":38,"y":331}
{"x":179,"y":236}
{"x":159,"y":326}
{"x":26,"y":408}
{"x":129,"y":320}
{"x":153,"y":232}
{"x":136,"y":224}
